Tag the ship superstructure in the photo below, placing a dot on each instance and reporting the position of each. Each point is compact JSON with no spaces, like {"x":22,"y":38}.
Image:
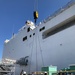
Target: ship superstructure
{"x":52,"y":42}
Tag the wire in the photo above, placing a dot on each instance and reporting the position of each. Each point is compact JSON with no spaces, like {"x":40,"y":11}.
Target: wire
{"x":37,"y":39}
{"x":36,"y":53}
{"x":41,"y":50}
{"x":35,"y":5}
{"x":31,"y":55}
{"x":35,"y":13}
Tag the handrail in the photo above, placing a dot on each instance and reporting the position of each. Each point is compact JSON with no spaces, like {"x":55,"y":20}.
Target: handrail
{"x":60,"y":10}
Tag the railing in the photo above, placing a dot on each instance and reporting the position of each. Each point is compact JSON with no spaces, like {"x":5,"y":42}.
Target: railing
{"x":60,"y":10}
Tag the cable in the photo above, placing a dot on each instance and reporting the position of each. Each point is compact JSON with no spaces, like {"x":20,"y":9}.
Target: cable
{"x":41,"y":51}
{"x":31,"y":55}
{"x":35,"y":13}
{"x":36,"y":53}
{"x":37,"y":39}
{"x":35,"y":5}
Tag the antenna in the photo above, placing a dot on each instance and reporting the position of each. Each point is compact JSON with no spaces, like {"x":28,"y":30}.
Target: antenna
{"x":13,"y":30}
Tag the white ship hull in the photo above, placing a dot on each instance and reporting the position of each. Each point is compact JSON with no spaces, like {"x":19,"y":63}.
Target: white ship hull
{"x":52,"y":45}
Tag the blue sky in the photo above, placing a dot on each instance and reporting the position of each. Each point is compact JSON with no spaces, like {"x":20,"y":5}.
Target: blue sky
{"x":14,"y":13}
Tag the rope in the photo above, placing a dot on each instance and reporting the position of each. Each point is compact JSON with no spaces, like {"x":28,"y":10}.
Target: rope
{"x":31,"y":55}
{"x":36,"y":54}
{"x":35,"y":13}
{"x":37,"y":38}
{"x":35,"y":5}
{"x":41,"y":50}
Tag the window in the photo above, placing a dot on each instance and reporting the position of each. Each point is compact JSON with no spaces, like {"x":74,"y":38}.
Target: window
{"x":28,"y":29}
{"x":42,"y":28}
{"x":30,"y":35}
{"x":33,"y":33}
{"x":25,"y":38}
{"x":57,"y":29}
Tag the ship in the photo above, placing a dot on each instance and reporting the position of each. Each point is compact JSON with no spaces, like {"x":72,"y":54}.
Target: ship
{"x":51,"y":42}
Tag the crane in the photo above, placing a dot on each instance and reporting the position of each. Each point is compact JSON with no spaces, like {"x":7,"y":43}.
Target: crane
{"x":35,"y":13}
